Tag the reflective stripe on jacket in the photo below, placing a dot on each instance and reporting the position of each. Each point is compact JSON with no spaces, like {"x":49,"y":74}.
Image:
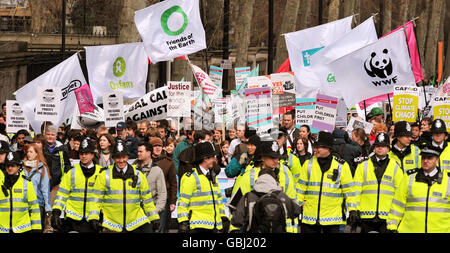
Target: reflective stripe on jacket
{"x":410,"y":161}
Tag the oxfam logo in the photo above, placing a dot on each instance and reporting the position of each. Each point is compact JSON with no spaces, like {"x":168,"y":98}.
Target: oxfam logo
{"x":119,"y":67}
{"x":165,"y":20}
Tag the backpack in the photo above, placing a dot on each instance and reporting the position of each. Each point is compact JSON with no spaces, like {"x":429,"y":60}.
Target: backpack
{"x":267,"y":214}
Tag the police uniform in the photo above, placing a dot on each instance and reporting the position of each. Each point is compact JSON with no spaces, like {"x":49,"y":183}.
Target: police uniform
{"x":323,"y":186}
{"x":439,"y":126}
{"x":75,"y":193}
{"x":409,"y":158}
{"x":422,"y":203}
{"x":200,"y":206}
{"x":124,"y":197}
{"x":4,"y":149}
{"x":19,"y":208}
{"x":375,"y":183}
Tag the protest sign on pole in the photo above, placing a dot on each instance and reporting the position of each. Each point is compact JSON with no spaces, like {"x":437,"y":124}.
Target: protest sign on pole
{"x":406,"y":103}
{"x":223,"y":110}
{"x":441,"y":110}
{"x":283,"y":93}
{"x":238,"y":107}
{"x":179,"y":97}
{"x":152,"y":106}
{"x":304,"y":114}
{"x":259,"y":108}
{"x":216,"y":75}
{"x":259,"y":81}
{"x":15,"y":118}
{"x":85,"y":100}
{"x":48,"y":104}
{"x":205,"y":82}
{"x":341,"y":117}
{"x":113,"y":108}
{"x":355,"y":123}
{"x":240,"y":74}
{"x":325,"y":113}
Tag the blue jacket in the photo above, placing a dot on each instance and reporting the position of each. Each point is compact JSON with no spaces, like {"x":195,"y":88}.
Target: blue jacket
{"x":41,"y":185}
{"x":178,"y":149}
{"x":234,"y":168}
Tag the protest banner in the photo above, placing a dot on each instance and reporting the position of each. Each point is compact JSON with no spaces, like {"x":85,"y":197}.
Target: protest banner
{"x":355,"y":123}
{"x":48,"y":104}
{"x":240,"y":74}
{"x":205,"y":82}
{"x":152,"y":106}
{"x":216,"y":75}
{"x":406,"y":103}
{"x":325,"y":113}
{"x":178,"y":100}
{"x":121,"y":67}
{"x":259,"y":81}
{"x":283,"y":93}
{"x":441,"y":110}
{"x":341,"y":116}
{"x":113,"y":108}
{"x":259,"y":108}
{"x":15,"y":118}
{"x":238,"y":109}
{"x":176,"y":29}
{"x":87,"y":120}
{"x":304,"y":114}
{"x":85,"y":100}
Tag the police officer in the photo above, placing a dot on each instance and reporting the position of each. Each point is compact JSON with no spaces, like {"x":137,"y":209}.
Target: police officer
{"x":123,"y":196}
{"x":402,"y":151}
{"x":200,"y":207}
{"x":76,"y":192}
{"x":4,"y":149}
{"x":324,"y":183}
{"x":421,"y":204}
{"x":376,"y":180}
{"x":439,"y":133}
{"x":19,"y":208}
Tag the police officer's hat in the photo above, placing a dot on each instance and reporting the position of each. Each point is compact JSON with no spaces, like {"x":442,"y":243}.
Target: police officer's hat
{"x":86,"y":146}
{"x":4,"y":147}
{"x":438,"y":127}
{"x":382,"y":140}
{"x":12,"y":158}
{"x":119,"y":149}
{"x":402,"y":128}
{"x":268,"y":149}
{"x":324,"y":139}
{"x":429,"y":150}
{"x":203,"y":150}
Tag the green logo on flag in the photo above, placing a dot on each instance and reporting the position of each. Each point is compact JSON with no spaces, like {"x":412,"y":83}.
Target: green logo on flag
{"x":119,"y":67}
{"x":330,"y":78}
{"x":165,"y":18}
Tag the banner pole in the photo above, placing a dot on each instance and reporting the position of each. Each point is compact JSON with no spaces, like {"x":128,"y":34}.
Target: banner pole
{"x":365,"y":110}
{"x":178,"y":126}
{"x":389,"y":101}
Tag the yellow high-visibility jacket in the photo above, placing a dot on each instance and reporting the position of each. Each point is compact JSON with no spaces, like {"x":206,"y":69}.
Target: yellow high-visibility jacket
{"x":444,"y":159}
{"x":410,"y":161}
{"x":75,"y":192}
{"x":418,"y":207}
{"x":19,"y":211}
{"x":373,"y":197}
{"x":126,"y":203}
{"x":324,"y":193}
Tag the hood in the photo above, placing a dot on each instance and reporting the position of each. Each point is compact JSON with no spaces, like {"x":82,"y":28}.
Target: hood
{"x":340,"y":134}
{"x":266,"y":183}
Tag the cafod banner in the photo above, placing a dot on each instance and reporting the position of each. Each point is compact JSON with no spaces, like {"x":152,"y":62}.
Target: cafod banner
{"x":152,"y":106}
{"x":170,"y":29}
{"x":441,"y":110}
{"x":406,"y":103}
{"x":121,"y":67}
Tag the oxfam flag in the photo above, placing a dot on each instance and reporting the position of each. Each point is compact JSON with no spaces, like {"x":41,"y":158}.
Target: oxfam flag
{"x":121,"y":67}
{"x":170,"y":29}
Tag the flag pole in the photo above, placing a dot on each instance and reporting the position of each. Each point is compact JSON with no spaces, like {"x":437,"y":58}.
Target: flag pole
{"x":365,"y":110}
{"x":389,"y":101}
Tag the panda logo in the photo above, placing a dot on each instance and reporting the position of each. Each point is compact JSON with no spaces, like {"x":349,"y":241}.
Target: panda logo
{"x":379,"y":65}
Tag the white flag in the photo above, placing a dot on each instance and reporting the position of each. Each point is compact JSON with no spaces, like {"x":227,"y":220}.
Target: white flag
{"x":358,"y":37}
{"x":373,"y":70}
{"x":304,"y":43}
{"x":67,"y":76}
{"x":204,"y":81}
{"x":170,"y":29}
{"x":121,"y":67}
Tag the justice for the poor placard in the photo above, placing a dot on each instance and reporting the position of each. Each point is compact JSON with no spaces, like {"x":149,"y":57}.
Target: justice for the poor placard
{"x":179,"y":99}
{"x":441,"y":110}
{"x":152,"y":106}
{"x":406,"y":103}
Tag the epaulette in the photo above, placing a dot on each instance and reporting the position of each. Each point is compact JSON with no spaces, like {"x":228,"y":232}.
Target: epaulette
{"x":189,"y":173}
{"x":360,"y":159}
{"x":412,"y":171}
{"x":102,"y":169}
{"x":339,"y":160}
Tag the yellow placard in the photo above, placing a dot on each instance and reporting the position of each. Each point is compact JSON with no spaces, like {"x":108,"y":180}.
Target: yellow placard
{"x":442,"y":112}
{"x":405,"y":108}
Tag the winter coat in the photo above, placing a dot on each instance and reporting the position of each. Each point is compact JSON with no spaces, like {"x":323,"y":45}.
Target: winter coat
{"x":156,"y":183}
{"x":54,"y":159}
{"x":170,"y":175}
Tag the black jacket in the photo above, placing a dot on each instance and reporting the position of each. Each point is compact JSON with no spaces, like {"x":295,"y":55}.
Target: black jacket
{"x":346,"y":149}
{"x":53,"y":160}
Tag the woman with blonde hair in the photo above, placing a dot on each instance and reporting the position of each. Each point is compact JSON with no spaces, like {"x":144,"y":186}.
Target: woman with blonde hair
{"x":37,"y":171}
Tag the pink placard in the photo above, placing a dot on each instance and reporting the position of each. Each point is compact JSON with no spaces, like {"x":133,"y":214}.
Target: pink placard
{"x":84,"y":99}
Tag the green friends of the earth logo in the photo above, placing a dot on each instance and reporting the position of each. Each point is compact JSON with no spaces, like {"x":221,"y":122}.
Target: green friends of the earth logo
{"x":119,"y":67}
{"x":330,"y":78}
{"x":165,"y":18}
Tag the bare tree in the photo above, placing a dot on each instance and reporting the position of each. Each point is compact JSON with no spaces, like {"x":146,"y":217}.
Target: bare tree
{"x":432,"y":39}
{"x":386,"y":16}
{"x":333,"y":10}
{"x":243,"y":34}
{"x":287,"y":25}
{"x":423,"y":7}
{"x":305,"y":13}
{"x":127,"y":29}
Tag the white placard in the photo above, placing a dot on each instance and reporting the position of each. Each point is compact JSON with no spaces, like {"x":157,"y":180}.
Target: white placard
{"x":48,"y":104}
{"x":113,"y":108}
{"x":357,"y":123}
{"x":179,"y":99}
{"x":15,"y":118}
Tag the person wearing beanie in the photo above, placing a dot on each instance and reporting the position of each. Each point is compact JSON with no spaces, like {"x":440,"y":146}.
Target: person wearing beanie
{"x":402,"y":151}
{"x":376,"y":180}
{"x":200,"y":207}
{"x":324,"y":184}
{"x":421,"y":203}
{"x":130,"y":211}
{"x":75,"y":193}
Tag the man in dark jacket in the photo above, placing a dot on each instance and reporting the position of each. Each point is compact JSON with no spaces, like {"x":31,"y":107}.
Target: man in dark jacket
{"x":346,"y":149}
{"x":130,"y":142}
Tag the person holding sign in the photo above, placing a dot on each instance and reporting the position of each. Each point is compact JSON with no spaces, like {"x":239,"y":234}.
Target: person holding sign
{"x":76,"y":192}
{"x":402,"y":151}
{"x":376,"y":180}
